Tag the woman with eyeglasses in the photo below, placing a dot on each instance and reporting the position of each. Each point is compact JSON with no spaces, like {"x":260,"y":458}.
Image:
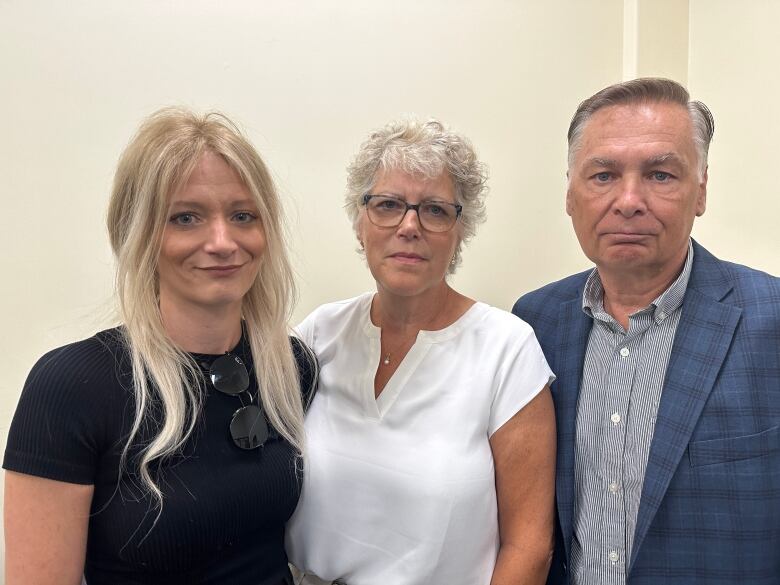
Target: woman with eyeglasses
{"x":166,"y":450}
{"x":431,"y":442}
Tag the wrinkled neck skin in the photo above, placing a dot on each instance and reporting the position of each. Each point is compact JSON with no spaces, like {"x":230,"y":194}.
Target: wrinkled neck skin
{"x":627,"y":292}
{"x":433,"y":310}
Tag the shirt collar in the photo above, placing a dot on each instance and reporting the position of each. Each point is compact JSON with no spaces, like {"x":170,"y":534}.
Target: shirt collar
{"x":663,"y":305}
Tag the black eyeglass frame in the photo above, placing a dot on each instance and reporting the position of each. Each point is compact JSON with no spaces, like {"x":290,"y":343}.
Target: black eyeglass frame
{"x":249,"y":428}
{"x":413,"y":206}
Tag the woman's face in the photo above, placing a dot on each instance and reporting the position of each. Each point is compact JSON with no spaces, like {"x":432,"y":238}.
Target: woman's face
{"x":407,"y":260}
{"x":213,"y":240}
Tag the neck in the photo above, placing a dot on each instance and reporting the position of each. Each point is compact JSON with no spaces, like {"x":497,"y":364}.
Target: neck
{"x":198,"y":330}
{"x":431,"y":311}
{"x":627,"y":293}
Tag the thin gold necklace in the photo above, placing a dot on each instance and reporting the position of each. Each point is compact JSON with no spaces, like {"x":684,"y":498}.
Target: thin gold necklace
{"x":386,"y":360}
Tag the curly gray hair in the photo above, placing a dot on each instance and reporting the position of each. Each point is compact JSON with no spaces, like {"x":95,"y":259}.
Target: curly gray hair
{"x":425,"y":149}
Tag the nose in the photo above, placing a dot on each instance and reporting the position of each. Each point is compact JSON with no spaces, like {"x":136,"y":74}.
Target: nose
{"x":410,"y":225}
{"x":630,"y":199}
{"x":220,"y":240}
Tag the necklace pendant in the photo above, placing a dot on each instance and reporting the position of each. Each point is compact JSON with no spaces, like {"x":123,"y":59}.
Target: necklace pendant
{"x":386,"y":361}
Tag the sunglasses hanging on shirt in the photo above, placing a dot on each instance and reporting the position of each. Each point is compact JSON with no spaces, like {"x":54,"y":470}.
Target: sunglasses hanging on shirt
{"x":248,"y":427}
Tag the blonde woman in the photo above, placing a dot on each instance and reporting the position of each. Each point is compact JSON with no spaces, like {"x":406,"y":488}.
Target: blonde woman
{"x":432,"y":437}
{"x":165,"y":450}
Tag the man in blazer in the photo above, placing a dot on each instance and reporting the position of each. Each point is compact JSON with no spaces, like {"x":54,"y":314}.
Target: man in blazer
{"x":668,"y":362}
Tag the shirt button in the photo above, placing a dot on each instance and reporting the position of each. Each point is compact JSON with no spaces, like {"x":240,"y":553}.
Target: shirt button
{"x":615,"y":418}
{"x":661,"y":315}
{"x":613,"y":487}
{"x":624,"y":352}
{"x":613,"y":556}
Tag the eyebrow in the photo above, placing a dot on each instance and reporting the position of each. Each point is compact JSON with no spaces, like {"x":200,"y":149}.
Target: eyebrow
{"x":659,"y":159}
{"x":198,"y":205}
{"x":601,"y":162}
{"x":426,"y":197}
{"x":664,"y":158}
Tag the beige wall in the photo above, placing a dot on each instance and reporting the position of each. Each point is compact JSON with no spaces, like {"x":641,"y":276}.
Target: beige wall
{"x":733,"y":60}
{"x":308,"y":80}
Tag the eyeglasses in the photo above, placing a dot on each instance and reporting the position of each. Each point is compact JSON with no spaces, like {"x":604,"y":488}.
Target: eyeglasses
{"x":389,"y":211}
{"x":248,"y":427}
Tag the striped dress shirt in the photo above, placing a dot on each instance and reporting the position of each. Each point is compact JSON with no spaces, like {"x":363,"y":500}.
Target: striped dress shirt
{"x":621,"y":386}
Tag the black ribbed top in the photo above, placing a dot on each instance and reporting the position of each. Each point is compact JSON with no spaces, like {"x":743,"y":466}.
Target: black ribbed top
{"x":224,"y":508}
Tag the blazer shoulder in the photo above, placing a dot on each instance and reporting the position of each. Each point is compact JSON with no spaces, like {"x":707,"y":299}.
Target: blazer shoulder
{"x":757,"y":294}
{"x":753,"y":282}
{"x":740,"y":284}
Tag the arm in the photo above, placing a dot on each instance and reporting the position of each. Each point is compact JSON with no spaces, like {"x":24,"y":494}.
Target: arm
{"x":45,"y":530}
{"x":524,"y":456}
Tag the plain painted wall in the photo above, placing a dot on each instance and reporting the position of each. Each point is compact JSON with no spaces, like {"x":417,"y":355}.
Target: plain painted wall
{"x":307,"y":81}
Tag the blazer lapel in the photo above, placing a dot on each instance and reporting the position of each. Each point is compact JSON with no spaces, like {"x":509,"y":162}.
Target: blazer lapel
{"x":572,"y":339}
{"x":701,"y":342}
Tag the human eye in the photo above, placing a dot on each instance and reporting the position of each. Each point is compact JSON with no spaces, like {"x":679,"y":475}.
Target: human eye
{"x":244,"y":217}
{"x":436,"y":209}
{"x":387,"y":203}
{"x":661,"y":176}
{"x":602,"y":177}
{"x":183,"y":219}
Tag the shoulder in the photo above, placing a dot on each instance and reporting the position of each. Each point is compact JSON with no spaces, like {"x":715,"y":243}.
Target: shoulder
{"x":745,"y":287}
{"x":333,"y":316}
{"x":506,"y":346}
{"x":501,"y":324}
{"x":750,"y":282}
{"x":544,"y":301}
{"x":754,"y":287}
{"x":71,"y":410}
{"x":494,"y":332}
{"x":337,"y":309}
{"x":80,"y":365}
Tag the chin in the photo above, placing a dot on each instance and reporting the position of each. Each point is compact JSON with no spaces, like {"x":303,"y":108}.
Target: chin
{"x":222,"y":299}
{"x":624,"y":262}
{"x":406,"y":287}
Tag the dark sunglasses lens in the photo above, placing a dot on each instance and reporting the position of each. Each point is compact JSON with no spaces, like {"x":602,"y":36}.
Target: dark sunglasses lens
{"x":248,"y":427}
{"x":229,"y":375}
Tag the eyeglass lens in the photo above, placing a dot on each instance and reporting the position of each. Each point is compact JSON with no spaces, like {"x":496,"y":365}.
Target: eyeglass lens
{"x":248,"y":427}
{"x":435,"y":216}
{"x":228,"y":374}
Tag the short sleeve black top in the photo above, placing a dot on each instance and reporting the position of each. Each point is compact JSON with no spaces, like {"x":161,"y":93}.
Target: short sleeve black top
{"x":224,"y":508}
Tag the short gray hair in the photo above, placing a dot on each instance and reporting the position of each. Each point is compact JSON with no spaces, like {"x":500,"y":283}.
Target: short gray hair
{"x":645,"y":90}
{"x":425,"y":149}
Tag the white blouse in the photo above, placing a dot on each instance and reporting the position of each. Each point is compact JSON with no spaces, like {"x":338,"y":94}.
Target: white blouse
{"x":400,"y":489}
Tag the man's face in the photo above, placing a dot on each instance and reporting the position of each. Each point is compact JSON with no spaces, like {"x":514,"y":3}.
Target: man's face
{"x":635,"y":188}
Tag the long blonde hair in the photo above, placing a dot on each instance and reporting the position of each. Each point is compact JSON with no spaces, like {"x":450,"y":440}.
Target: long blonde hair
{"x":157,"y":162}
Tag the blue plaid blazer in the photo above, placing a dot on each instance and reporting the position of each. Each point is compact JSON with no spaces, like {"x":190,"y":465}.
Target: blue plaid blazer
{"x":710,"y":505}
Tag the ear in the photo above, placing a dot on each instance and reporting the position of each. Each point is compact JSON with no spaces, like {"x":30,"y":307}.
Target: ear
{"x":359,"y":233}
{"x":569,"y":200}
{"x":701,"y":196}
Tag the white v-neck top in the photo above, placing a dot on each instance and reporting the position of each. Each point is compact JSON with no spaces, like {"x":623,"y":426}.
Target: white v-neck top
{"x":400,"y":489}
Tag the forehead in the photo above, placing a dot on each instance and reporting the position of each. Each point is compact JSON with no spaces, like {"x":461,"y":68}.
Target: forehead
{"x":399,"y":182}
{"x":212,"y":169}
{"x":211,"y":175}
{"x":644,"y":129}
